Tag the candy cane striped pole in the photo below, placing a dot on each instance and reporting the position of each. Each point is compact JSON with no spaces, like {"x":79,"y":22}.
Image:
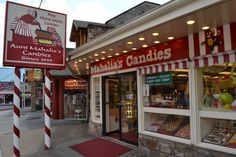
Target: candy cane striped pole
{"x":47,"y":109}
{"x":16,"y":114}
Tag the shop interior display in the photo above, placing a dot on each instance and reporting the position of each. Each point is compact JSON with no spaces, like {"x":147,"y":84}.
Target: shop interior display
{"x":222,"y":134}
{"x":168,"y":124}
{"x":173,"y":94}
{"x":128,"y":104}
{"x":219,"y":88}
{"x":97,"y":98}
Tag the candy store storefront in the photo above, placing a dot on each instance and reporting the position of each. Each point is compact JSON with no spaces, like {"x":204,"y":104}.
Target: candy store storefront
{"x":168,"y":96}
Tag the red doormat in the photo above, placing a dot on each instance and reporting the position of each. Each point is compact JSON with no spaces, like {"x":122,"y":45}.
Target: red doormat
{"x":99,"y":147}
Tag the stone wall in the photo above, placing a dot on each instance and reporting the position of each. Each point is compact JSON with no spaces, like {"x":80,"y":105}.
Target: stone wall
{"x":95,"y":31}
{"x":95,"y":129}
{"x":156,"y":147}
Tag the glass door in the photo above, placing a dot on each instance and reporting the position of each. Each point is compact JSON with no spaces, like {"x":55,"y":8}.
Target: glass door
{"x":112,"y":99}
{"x":128,"y":108}
{"x":120,"y":118}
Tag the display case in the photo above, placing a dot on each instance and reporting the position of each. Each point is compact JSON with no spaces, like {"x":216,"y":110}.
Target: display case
{"x":97,"y":99}
{"x":216,"y":94}
{"x":166,"y":106}
{"x":166,"y":124}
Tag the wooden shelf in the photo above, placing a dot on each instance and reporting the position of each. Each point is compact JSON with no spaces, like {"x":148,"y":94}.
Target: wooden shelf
{"x":167,"y":137}
{"x":182,"y":112}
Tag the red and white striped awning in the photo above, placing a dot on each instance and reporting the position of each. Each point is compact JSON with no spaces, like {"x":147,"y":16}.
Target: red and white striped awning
{"x":162,"y":67}
{"x":217,"y":58}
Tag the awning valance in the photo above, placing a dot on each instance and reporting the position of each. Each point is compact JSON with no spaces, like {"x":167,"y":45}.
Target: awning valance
{"x":162,"y":67}
{"x":212,"y":59}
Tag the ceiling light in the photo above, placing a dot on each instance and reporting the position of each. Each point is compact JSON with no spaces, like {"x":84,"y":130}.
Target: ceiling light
{"x":170,"y":38}
{"x":144,"y":45}
{"x":226,"y":73}
{"x":109,"y":56}
{"x":96,"y":54}
{"x":205,"y":27}
{"x":110,"y":49}
{"x":103,"y":52}
{"x":90,"y":56}
{"x":117,"y":54}
{"x":156,"y":42}
{"x":141,"y":38}
{"x":103,"y":58}
{"x":87,"y":65}
{"x":80,"y":60}
{"x":125,"y":51}
{"x":190,"y":22}
{"x":134,"y":48}
{"x":75,"y":62}
{"x":84,"y":59}
{"x":91,"y":61}
{"x":155,"y":34}
{"x":97,"y":60}
{"x":181,"y":70}
{"x":129,"y":42}
{"x":182,"y":75}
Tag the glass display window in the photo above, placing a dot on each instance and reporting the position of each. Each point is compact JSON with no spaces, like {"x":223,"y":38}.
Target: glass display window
{"x":167,"y":90}
{"x":173,"y":125}
{"x":218,"y":132}
{"x":97,"y":99}
{"x":219,"y":87}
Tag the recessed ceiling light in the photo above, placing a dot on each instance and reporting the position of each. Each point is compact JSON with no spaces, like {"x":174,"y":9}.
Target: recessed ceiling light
{"x":95,"y":54}
{"x":144,"y":45}
{"x":155,"y":34}
{"x":117,"y":54}
{"x":205,"y":27}
{"x":80,"y":60}
{"x":129,"y":42}
{"x":97,"y":60}
{"x":109,"y":56}
{"x":84,"y":59}
{"x":103,"y":58}
{"x":103,"y":52}
{"x":170,"y":38}
{"x":157,"y":42}
{"x":190,"y":22}
{"x":125,"y":51}
{"x":141,"y":38}
{"x":75,"y":62}
{"x":110,"y":49}
{"x":134,"y":48}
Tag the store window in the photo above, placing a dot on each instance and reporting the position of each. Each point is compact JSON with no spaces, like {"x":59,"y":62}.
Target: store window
{"x":97,"y":99}
{"x":166,"y":105}
{"x":218,"y":106}
{"x":75,"y":99}
{"x":172,"y":125}
{"x":219,"y":87}
{"x":167,"y":90}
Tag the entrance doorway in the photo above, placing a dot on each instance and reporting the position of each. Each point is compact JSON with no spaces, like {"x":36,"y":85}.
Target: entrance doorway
{"x":120,"y":118}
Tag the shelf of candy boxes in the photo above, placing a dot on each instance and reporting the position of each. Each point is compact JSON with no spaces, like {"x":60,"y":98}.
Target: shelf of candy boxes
{"x":171,"y":125}
{"x":221,"y":136}
{"x":168,"y":101}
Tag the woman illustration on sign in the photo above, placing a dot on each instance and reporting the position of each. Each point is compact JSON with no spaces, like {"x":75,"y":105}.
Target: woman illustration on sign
{"x":21,"y":27}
